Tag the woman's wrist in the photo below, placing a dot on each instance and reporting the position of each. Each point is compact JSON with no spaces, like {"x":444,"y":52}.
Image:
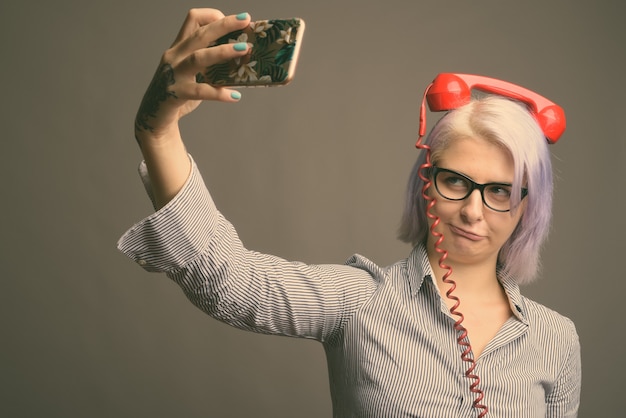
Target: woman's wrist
{"x":166,"y":159}
{"x":157,"y":136}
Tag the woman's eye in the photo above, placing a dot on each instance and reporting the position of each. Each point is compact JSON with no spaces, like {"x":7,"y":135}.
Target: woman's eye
{"x":500,"y":191}
{"x":456,"y":182}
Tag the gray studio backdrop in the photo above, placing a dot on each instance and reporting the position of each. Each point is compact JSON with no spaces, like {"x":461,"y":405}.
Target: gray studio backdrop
{"x":314,"y":171}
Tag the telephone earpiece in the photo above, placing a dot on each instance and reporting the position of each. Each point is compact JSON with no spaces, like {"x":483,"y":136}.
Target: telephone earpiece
{"x":449,"y":91}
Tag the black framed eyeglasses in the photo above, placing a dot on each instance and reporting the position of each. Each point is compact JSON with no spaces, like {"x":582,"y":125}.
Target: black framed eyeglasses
{"x":456,"y":186}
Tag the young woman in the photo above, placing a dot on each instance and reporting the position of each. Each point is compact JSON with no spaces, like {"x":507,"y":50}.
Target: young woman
{"x":394,"y":344}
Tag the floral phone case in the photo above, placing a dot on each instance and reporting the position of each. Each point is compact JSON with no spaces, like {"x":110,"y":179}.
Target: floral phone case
{"x":271,"y":61}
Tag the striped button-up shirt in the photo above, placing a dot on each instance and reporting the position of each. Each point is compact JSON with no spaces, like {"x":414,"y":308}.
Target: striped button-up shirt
{"x":387,"y":333}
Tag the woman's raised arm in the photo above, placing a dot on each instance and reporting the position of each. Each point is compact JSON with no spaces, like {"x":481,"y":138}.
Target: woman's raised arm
{"x":174,"y":92}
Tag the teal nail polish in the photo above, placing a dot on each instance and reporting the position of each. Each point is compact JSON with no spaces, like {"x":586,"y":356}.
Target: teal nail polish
{"x":235,"y":95}
{"x":242,"y":16}
{"x":240,"y":46}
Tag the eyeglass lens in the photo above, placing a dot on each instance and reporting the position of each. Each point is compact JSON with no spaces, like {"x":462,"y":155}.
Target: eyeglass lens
{"x":455,"y":186}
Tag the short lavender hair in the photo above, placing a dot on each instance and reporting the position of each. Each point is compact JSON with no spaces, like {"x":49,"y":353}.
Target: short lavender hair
{"x":510,"y":125}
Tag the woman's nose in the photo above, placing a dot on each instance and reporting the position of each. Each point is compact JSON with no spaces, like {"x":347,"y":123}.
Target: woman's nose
{"x":473,"y":207}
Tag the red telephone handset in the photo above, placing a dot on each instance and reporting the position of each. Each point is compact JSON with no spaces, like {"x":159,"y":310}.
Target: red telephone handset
{"x":449,"y":91}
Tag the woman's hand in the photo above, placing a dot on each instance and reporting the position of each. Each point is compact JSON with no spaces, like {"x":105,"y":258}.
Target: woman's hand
{"x":174,"y":92}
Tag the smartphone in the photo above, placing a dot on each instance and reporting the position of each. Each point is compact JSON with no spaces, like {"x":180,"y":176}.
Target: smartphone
{"x":271,"y":61}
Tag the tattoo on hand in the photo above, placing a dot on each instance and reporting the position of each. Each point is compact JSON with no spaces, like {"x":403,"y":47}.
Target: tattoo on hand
{"x":156,"y":94}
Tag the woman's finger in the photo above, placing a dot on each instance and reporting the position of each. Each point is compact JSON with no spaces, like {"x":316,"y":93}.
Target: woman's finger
{"x":209,"y":33}
{"x":195,"y":19}
{"x":198,"y":61}
{"x":202,"y":91}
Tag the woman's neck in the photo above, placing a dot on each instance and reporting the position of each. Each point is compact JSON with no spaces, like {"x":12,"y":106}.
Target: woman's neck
{"x":476,"y":282}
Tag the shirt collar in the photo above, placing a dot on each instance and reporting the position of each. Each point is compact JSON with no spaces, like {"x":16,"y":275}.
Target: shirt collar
{"x":418,"y":269}
{"x":515,"y":296}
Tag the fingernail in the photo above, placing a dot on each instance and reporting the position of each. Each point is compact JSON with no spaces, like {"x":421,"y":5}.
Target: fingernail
{"x":240,"y":46}
{"x":242,"y":16}
{"x":235,"y":95}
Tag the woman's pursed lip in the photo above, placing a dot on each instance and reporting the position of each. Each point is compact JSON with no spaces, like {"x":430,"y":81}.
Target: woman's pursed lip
{"x":470,"y":235}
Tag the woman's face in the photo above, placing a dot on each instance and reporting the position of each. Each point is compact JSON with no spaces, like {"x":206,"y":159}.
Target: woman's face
{"x":474,"y":233}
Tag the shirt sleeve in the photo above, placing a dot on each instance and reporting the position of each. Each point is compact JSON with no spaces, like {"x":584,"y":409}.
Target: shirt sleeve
{"x":564,"y":398}
{"x":199,"y":249}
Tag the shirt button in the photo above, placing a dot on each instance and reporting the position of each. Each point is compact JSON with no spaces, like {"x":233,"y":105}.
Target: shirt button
{"x":142,"y":262}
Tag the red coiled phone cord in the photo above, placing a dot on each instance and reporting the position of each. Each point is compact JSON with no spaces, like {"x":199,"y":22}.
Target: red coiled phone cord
{"x":462,"y":339}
